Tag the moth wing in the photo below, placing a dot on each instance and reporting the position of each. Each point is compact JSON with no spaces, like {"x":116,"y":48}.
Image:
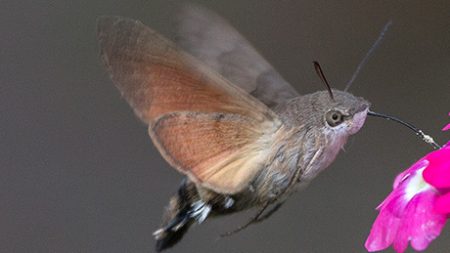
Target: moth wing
{"x":204,"y":126}
{"x":222,"y":152}
{"x":215,"y":42}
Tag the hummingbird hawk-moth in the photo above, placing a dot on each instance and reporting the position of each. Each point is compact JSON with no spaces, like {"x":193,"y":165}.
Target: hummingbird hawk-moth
{"x":222,"y":116}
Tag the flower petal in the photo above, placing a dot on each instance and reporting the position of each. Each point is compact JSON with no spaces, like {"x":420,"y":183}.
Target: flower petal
{"x":421,"y":224}
{"x":442,"y":204}
{"x":383,"y":232}
{"x":405,"y":175}
{"x":429,"y":223}
{"x":447,"y":127}
{"x":438,"y":171}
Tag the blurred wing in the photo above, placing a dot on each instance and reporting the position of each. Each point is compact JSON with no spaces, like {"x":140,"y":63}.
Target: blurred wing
{"x":204,"y":126}
{"x":212,"y":40}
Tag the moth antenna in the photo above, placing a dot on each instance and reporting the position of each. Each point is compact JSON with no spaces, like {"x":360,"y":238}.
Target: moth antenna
{"x":368,"y":55}
{"x":322,"y":77}
{"x":426,"y":138}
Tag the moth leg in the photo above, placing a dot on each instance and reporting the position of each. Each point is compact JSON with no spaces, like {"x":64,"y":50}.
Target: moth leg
{"x":254,"y":219}
{"x":269,"y":213}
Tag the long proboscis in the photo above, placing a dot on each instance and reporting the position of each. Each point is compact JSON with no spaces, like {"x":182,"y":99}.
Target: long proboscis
{"x":426,"y":138}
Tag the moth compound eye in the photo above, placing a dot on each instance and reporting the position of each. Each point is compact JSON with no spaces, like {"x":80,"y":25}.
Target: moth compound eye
{"x":334,"y":118}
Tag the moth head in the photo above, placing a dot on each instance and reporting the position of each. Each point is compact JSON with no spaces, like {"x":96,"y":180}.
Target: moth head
{"x":345,"y":114}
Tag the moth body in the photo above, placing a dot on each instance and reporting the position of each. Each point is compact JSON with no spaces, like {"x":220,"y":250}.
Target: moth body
{"x":302,"y":148}
{"x":223,"y":117}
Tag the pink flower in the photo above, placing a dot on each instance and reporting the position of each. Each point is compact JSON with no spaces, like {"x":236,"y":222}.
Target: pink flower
{"x":447,"y":127}
{"x":417,"y":208}
{"x":438,"y":175}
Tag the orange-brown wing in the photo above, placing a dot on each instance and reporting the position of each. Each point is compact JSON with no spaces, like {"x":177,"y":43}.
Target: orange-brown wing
{"x":220,"y":151}
{"x":204,"y":126}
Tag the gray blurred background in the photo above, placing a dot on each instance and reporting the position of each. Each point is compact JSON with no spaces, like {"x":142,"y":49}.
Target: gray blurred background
{"x":78,"y":172}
